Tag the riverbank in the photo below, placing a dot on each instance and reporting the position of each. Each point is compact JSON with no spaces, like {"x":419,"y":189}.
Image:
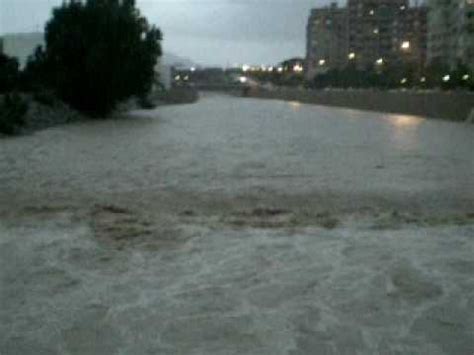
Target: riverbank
{"x":453,"y":106}
{"x":176,"y":96}
{"x":44,"y":110}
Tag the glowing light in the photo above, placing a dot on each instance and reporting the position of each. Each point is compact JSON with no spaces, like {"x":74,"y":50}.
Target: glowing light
{"x":298,"y":68}
{"x":403,"y":81}
{"x":245,"y":68}
{"x":403,"y":7}
{"x":446,"y":78}
{"x":405,"y":45}
{"x":379,"y":61}
{"x":423,"y":79}
{"x":186,"y":78}
{"x":372,"y":12}
{"x":193,"y":69}
{"x":376,"y":31}
{"x":280,"y":69}
{"x":270,"y":69}
{"x":322,"y":62}
{"x":465,"y":77}
{"x":351,"y":56}
{"x":243,"y":79}
{"x":177,"y":77}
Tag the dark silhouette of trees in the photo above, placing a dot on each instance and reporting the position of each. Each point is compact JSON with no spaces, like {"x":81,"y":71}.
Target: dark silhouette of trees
{"x":396,"y":76}
{"x":98,"y":53}
{"x":9,"y":73}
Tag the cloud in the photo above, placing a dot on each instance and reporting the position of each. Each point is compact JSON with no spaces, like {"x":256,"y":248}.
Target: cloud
{"x":210,"y":31}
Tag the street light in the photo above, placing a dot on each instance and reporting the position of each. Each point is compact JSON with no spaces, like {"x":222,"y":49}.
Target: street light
{"x":245,"y":68}
{"x":405,"y":46}
{"x":403,"y":81}
{"x":298,"y":68}
{"x":465,"y":77}
{"x":351,"y":56}
{"x":379,"y":61}
{"x":446,"y":78}
{"x":422,"y":79}
{"x":322,"y":62}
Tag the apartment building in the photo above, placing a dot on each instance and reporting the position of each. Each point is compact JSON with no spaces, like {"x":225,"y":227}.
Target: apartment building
{"x":366,"y":33}
{"x":326,"y":45}
{"x":451,"y":32}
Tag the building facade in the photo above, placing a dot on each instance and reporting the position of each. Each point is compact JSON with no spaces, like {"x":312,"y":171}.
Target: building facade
{"x":451,"y":32}
{"x":366,"y":33}
{"x":21,"y":45}
{"x":377,"y":30}
{"x":410,"y":37}
{"x":326,"y":40}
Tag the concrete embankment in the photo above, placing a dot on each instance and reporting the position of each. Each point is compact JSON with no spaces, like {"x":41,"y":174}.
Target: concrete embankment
{"x":176,"y":96}
{"x":455,"y":106}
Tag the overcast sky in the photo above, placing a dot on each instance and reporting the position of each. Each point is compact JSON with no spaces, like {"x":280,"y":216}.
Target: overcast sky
{"x":210,"y":32}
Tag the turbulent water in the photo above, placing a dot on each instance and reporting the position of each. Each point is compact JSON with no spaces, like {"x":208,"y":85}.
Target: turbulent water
{"x":239,"y":226}
{"x":234,"y":146}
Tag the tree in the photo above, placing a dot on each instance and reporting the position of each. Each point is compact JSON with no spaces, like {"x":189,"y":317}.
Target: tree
{"x":8,"y":73}
{"x":36,"y":74}
{"x":98,"y":53}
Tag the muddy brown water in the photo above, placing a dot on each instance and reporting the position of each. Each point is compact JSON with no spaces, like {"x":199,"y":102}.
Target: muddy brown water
{"x":239,"y":226}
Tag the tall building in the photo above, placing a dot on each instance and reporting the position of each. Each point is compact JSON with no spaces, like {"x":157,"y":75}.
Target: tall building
{"x":410,"y":36}
{"x":451,"y":32}
{"x":376,"y":30}
{"x":326,"y":39}
{"x":366,"y":33}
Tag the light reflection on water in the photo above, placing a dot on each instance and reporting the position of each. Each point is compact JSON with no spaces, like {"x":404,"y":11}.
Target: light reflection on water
{"x":403,"y":121}
{"x":404,"y":133}
{"x":296,"y":105}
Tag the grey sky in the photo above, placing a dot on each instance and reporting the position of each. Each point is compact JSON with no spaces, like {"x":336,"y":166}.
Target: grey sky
{"x":207,"y":31}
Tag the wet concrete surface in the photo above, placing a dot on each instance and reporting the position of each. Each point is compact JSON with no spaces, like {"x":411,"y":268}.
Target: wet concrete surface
{"x":239,"y":226}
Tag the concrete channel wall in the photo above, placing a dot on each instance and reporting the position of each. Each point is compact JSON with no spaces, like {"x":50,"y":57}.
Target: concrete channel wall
{"x":455,"y":106}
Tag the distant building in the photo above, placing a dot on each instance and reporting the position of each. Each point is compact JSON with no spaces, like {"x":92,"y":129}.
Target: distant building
{"x":451,"y":32}
{"x":295,"y":65}
{"x":163,"y":73}
{"x":326,"y":40}
{"x":21,"y":45}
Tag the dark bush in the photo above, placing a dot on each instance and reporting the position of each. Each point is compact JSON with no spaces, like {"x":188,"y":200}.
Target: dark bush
{"x":45,"y":97}
{"x":397,"y":76}
{"x":98,"y":53}
{"x":9,"y":73}
{"x":36,"y":76}
{"x":12,"y":113}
